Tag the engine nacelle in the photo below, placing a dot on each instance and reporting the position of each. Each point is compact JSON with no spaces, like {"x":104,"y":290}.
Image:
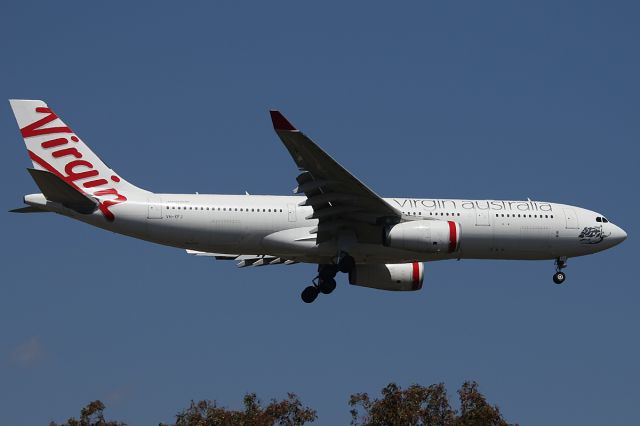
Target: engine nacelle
{"x":392,"y":276}
{"x":425,"y":236}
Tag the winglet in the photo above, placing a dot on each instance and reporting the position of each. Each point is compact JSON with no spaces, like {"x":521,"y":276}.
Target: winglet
{"x":279,"y":122}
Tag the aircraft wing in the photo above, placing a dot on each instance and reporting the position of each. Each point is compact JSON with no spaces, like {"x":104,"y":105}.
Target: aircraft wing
{"x":339,"y":200}
{"x":245,"y":260}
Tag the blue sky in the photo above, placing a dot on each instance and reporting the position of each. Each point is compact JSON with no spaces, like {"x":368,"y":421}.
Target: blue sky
{"x":461,"y":100}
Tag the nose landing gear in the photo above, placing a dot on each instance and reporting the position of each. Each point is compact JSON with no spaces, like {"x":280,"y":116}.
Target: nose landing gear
{"x":560,"y":276}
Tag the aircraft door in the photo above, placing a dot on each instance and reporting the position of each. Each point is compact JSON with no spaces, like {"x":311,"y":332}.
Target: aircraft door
{"x":154,"y":207}
{"x":571,"y":218}
{"x":291,"y":209}
{"x":482,"y":217}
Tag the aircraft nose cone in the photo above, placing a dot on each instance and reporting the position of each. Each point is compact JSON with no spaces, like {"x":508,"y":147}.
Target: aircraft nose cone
{"x":618,"y":235}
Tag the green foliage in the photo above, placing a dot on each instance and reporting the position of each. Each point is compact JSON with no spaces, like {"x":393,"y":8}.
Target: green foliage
{"x":415,"y":406}
{"x":474,"y":409}
{"x":91,"y":415}
{"x":288,"y":412}
{"x":424,"y":406}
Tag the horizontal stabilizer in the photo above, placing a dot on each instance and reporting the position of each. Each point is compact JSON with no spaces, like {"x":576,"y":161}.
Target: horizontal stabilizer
{"x":57,"y":190}
{"x":27,"y":209}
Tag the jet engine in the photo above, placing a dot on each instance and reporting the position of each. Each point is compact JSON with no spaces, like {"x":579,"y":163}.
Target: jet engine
{"x":425,"y":236}
{"x":392,"y":276}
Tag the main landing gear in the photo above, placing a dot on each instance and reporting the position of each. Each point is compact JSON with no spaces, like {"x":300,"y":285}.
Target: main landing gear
{"x":325,"y":282}
{"x":560,"y":276}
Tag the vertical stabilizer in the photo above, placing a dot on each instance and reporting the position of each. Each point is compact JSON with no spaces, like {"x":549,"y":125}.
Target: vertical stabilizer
{"x":53,"y":146}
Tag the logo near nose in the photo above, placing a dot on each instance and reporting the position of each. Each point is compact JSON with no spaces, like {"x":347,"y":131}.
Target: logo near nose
{"x":592,"y":235}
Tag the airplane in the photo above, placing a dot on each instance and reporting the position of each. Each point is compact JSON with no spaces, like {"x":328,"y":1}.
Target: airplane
{"x":334,"y":221}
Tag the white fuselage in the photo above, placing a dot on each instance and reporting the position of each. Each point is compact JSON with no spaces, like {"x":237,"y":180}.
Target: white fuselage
{"x":278,"y":226}
{"x":340,"y":224}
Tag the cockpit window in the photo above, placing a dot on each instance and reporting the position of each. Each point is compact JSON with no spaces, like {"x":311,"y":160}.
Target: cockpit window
{"x":602,"y":219}
{"x":598,"y":219}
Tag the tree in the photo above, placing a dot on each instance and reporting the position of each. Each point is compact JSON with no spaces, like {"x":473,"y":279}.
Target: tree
{"x":288,"y":412}
{"x":91,"y":415}
{"x":424,"y":406}
{"x":415,"y":406}
{"x":474,"y":409}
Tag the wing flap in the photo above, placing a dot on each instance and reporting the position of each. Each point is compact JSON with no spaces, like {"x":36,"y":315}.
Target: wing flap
{"x":245,"y":260}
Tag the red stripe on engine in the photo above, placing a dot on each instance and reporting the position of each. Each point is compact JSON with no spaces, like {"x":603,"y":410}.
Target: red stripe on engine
{"x":453,"y":237}
{"x":416,"y":276}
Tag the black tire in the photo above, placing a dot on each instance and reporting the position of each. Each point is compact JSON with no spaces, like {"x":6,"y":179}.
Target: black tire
{"x":346,"y":264}
{"x":559,"y":277}
{"x":327,"y":285}
{"x":309,"y":294}
{"x":327,"y":271}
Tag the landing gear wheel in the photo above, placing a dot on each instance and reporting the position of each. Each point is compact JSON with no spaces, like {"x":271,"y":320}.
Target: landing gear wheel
{"x":309,"y":294}
{"x":559,"y":277}
{"x":346,"y":263}
{"x":327,"y":285}
{"x":327,"y":271}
